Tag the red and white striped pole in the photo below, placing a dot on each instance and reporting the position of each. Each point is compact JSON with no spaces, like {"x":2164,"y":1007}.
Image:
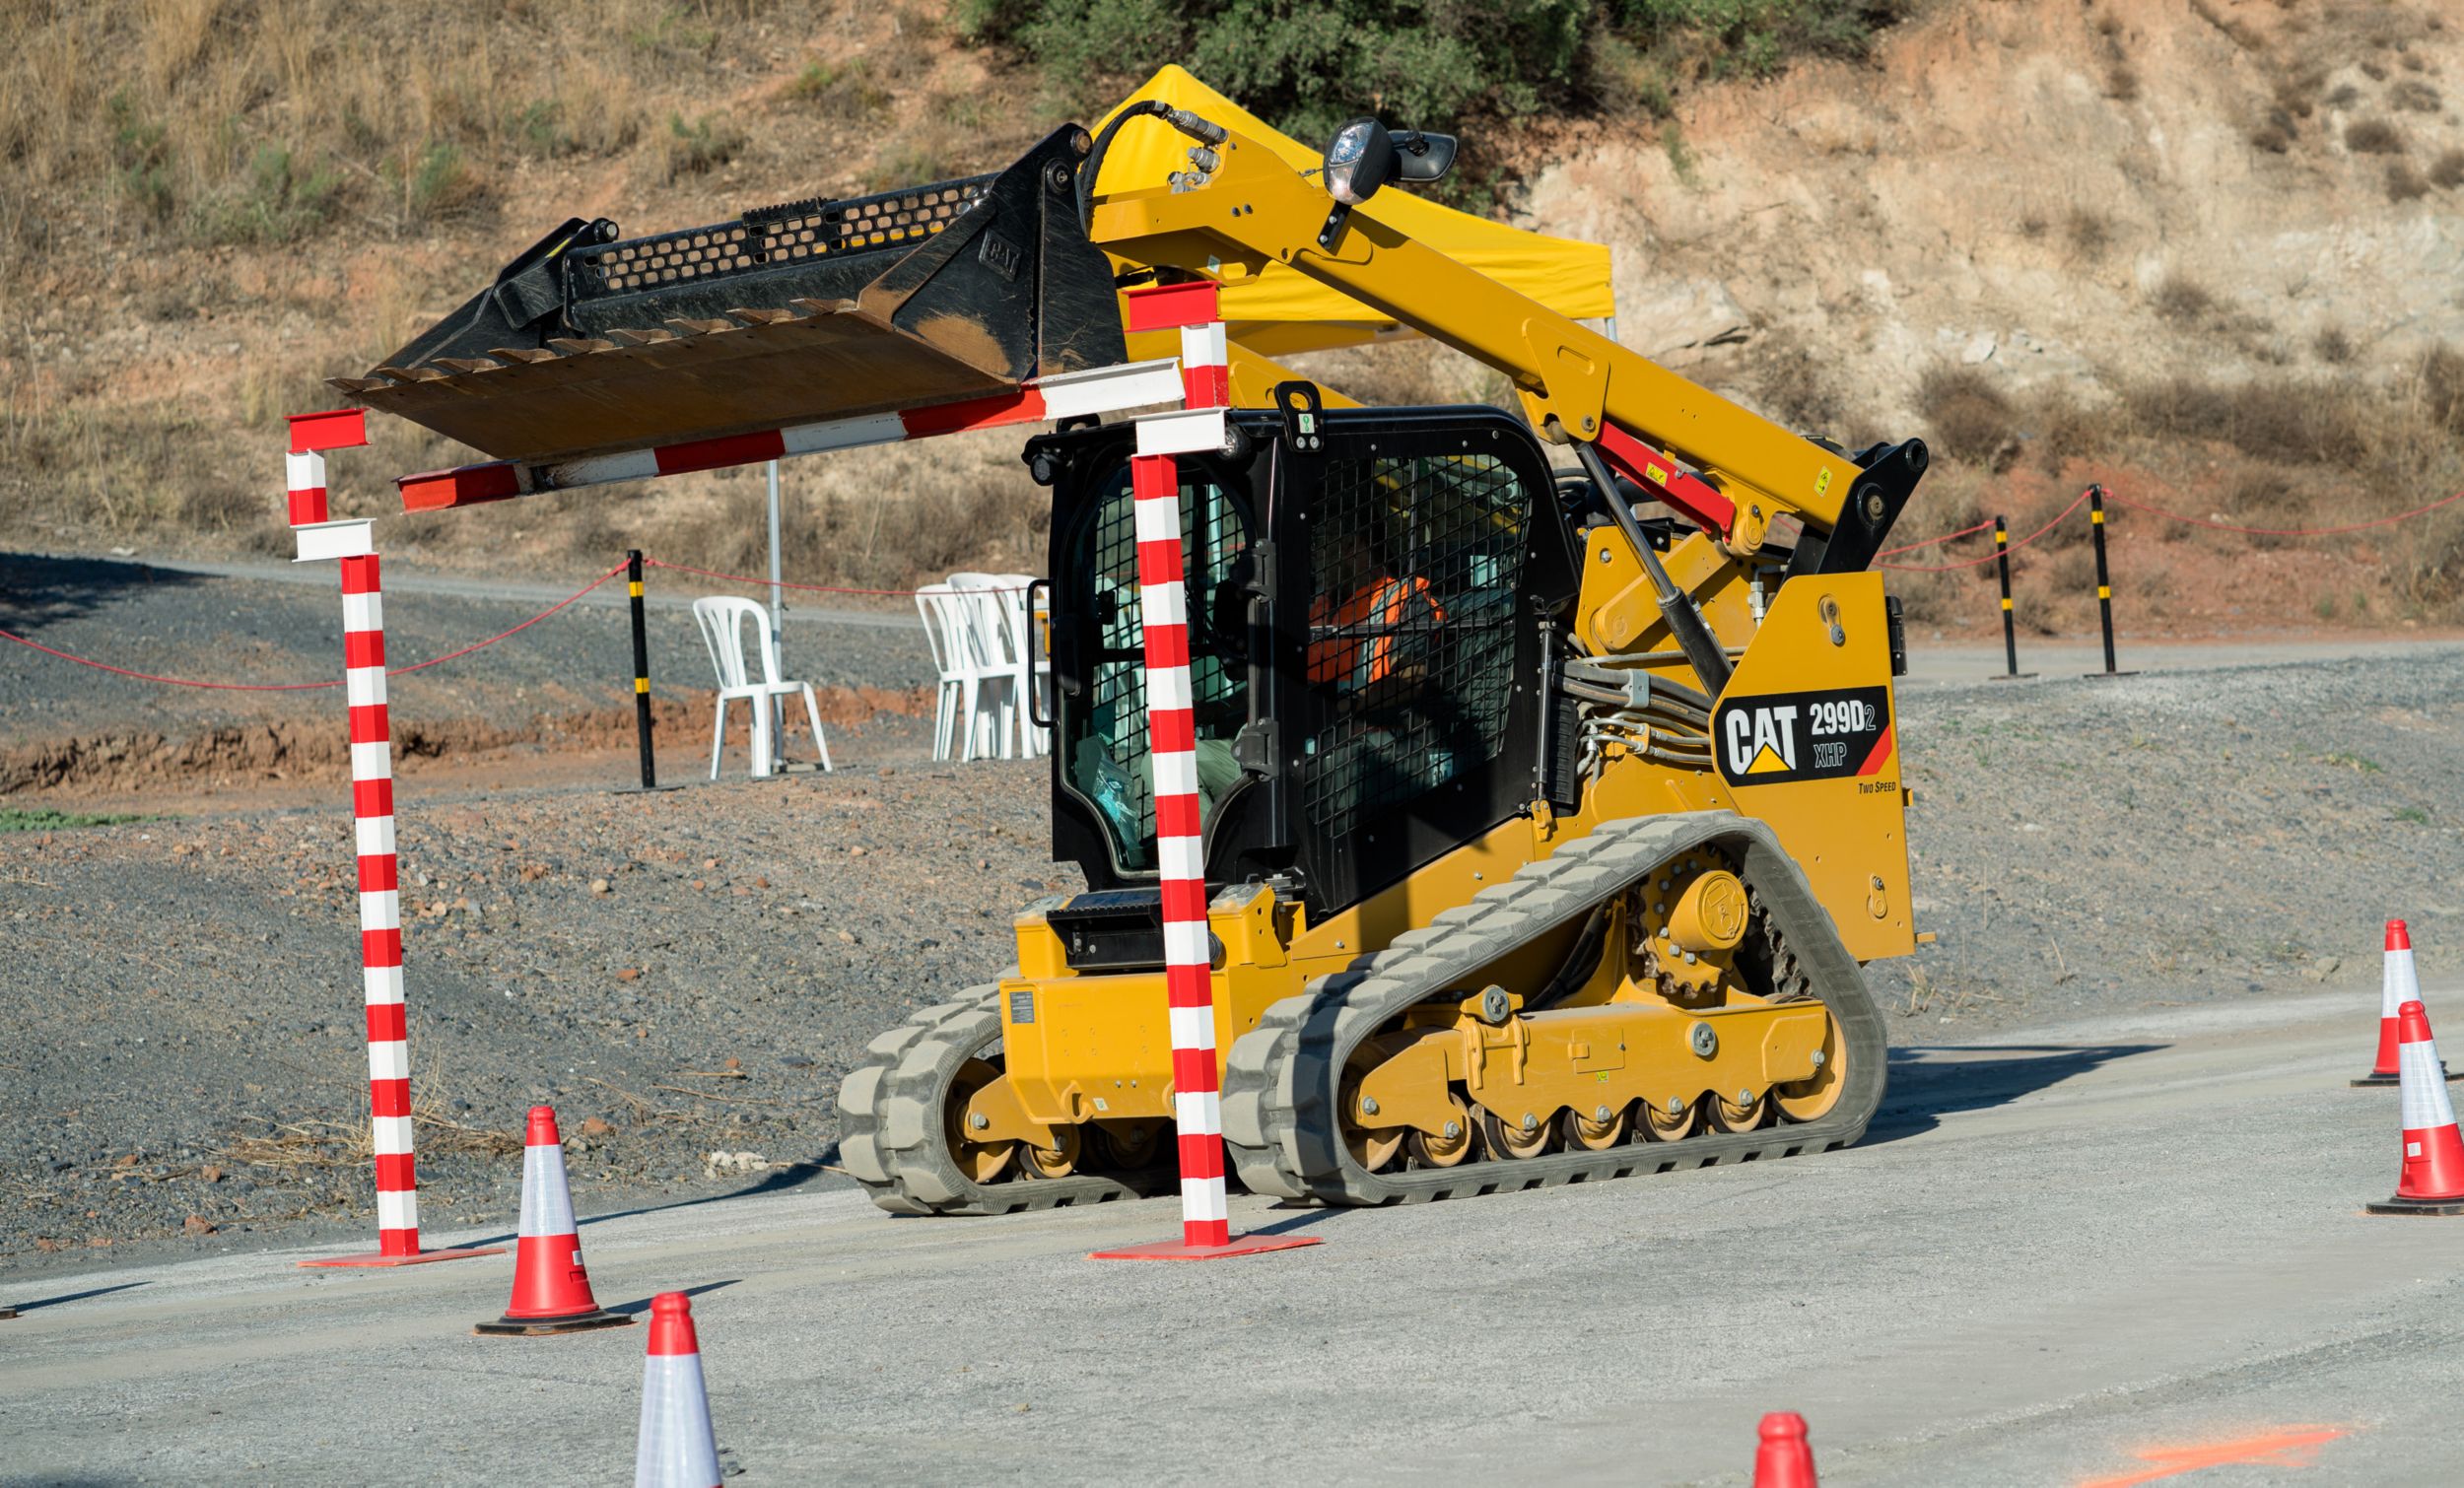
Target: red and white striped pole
{"x":1172,"y":744}
{"x":372,"y":810}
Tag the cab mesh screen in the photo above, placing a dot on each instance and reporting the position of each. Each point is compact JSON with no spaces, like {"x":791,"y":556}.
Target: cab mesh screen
{"x":1411,"y":642}
{"x":1109,"y":760}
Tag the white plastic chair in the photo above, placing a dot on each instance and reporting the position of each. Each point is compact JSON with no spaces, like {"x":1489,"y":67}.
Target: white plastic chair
{"x":972,"y":683}
{"x":721,"y":618}
{"x":1009,"y":649}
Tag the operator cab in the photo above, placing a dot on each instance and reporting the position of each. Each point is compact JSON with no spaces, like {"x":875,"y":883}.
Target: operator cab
{"x":1365,"y":646}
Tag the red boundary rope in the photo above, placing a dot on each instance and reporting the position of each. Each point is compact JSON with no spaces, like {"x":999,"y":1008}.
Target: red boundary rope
{"x":2200,"y":521}
{"x":296,"y":687}
{"x":1952,"y":568}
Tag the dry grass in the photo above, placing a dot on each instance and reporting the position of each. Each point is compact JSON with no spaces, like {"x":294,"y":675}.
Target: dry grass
{"x":2373,"y":137}
{"x":2447,"y":172}
{"x":318,"y":1144}
{"x":1969,"y":415}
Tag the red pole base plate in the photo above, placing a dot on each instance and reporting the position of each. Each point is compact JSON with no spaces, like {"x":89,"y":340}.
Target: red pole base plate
{"x":379,"y":1259}
{"x":7,"y":1313}
{"x":541,"y":1327}
{"x":1175,"y":1249}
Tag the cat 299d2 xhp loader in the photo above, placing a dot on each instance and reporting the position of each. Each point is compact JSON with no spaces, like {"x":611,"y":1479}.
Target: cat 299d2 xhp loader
{"x":1550,"y":814}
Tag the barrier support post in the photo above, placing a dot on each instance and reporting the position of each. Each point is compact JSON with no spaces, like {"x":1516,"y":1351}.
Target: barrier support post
{"x":372,"y":811}
{"x":2010,"y":631}
{"x":641,"y":669}
{"x":2105,"y":581}
{"x":1172,"y":743}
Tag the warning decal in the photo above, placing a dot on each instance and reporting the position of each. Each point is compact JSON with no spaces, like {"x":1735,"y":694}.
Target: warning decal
{"x":1780,"y":737}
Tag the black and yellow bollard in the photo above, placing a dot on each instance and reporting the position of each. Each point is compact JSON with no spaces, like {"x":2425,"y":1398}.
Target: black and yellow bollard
{"x":2105,"y":581}
{"x":2009,"y":634}
{"x":640,"y":670}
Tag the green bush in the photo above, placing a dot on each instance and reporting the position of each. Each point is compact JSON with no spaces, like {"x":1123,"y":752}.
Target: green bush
{"x":278,"y":199}
{"x":1308,"y":67}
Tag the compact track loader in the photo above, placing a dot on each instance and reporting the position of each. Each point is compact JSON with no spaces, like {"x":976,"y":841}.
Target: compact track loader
{"x":1549,"y":813}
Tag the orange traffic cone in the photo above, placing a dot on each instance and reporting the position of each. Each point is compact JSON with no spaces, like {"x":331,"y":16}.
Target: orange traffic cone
{"x":1784,"y":1460}
{"x":551,"y":1290}
{"x":676,"y":1447}
{"x":2398,"y":984}
{"x":2431,"y":1181}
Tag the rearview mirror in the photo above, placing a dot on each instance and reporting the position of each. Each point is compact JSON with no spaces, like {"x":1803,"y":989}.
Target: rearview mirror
{"x":1364,"y":156}
{"x":1423,"y":157}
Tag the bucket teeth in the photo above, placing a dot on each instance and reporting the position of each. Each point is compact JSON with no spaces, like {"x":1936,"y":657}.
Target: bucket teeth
{"x":823,"y":306}
{"x":518,"y":353}
{"x":573,"y":348}
{"x":411,"y":373}
{"x":355,"y":385}
{"x":640,"y":338}
{"x":702,"y":327}
{"x":763,"y":317}
{"x":468,"y":364}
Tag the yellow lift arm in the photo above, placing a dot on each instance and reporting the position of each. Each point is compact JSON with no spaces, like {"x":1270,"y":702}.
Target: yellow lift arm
{"x":1246,"y":208}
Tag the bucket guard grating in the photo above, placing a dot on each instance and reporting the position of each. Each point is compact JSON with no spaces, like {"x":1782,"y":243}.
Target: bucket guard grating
{"x":809,"y":310}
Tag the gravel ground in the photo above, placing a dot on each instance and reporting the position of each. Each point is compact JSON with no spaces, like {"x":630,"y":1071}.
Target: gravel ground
{"x":690,"y":972}
{"x":278,"y":629}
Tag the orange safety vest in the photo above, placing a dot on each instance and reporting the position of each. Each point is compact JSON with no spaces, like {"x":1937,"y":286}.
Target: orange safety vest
{"x":1364,"y":658}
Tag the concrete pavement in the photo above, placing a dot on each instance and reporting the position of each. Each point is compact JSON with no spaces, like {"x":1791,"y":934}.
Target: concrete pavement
{"x":2055,"y":1254}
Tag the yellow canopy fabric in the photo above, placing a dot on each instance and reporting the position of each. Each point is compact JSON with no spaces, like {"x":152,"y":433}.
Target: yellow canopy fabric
{"x":1282,"y":311}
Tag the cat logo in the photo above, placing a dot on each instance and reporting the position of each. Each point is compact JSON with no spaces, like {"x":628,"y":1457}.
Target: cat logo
{"x":1781,"y":737}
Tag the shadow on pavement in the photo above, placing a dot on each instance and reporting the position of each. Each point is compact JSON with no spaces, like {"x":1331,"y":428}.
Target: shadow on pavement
{"x":38,"y":592}
{"x":794,"y":1176}
{"x":642,"y":1305}
{"x":1926,"y":1086}
{"x":27,"y":1306}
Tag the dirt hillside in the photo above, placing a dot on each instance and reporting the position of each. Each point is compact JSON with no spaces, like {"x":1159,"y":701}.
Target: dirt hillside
{"x":2205,"y":251}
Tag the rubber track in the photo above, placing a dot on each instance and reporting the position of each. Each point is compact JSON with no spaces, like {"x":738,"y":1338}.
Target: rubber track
{"x":890,"y":1121}
{"x":1279,"y":1084}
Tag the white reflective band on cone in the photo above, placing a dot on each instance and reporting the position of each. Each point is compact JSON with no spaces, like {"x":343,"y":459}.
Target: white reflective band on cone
{"x":547,"y":1205}
{"x":2425,"y":1102}
{"x":678,"y":1448}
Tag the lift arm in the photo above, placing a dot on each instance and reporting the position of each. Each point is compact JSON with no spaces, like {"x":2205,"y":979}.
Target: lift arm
{"x":1252,"y":208}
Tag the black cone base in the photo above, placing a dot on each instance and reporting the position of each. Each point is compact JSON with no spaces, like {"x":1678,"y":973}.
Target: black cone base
{"x":2431,"y":1206}
{"x":2374,"y":1078}
{"x":540,"y":1327}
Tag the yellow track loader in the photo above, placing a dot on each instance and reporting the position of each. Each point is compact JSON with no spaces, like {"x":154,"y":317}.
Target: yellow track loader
{"x":1549,"y":813}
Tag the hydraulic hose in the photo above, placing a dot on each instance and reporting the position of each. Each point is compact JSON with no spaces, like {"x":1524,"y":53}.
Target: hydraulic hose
{"x":1188,"y":123}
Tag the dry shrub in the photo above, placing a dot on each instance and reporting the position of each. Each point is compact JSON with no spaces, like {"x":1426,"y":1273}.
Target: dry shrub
{"x":2447,"y":172}
{"x":1969,"y":416}
{"x":2269,"y":497}
{"x":2414,"y":94}
{"x":2333,"y":346}
{"x":2090,"y":233}
{"x":2269,"y":420}
{"x":2372,"y":135}
{"x":2404,"y":183}
{"x":2182,"y":300}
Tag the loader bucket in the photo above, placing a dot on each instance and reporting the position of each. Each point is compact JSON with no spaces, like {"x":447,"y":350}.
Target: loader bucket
{"x":796,"y":313}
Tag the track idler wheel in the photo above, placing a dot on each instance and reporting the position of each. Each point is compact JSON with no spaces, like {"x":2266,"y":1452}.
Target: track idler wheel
{"x":981,"y":1162}
{"x":1812,"y":1099}
{"x":1053,"y":1162}
{"x":1128,"y":1146}
{"x":1744,"y":1111}
{"x":1598,"y":1132}
{"x":1666,"y":1124}
{"x":1448,"y":1149}
{"x":1372,"y":1147}
{"x":1524,"y":1136}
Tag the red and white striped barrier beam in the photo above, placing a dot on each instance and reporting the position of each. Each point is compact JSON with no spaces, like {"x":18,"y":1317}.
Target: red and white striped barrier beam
{"x":372,"y":811}
{"x":1064,"y":395}
{"x":1172,"y":745}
